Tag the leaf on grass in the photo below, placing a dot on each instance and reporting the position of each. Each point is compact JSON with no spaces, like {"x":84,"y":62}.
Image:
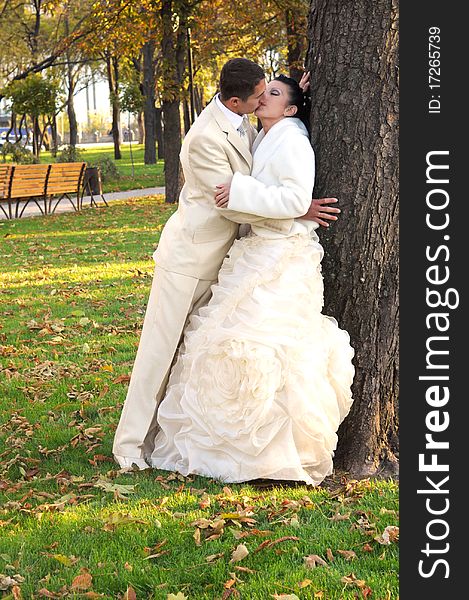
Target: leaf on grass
{"x":367,"y":591}
{"x":82,"y":581}
{"x":204,"y":501}
{"x":196,"y":537}
{"x":285,"y":596}
{"x":130,"y":594}
{"x":121,"y":379}
{"x":244,"y":569}
{"x":313,"y":560}
{"x":16,"y":592}
{"x":339,"y":517}
{"x":7,"y":582}
{"x":178,"y":596}
{"x":305,"y":583}
{"x":114,"y":519}
{"x":156,"y":555}
{"x":390,"y":534}
{"x":270,"y":543}
{"x":68,"y":561}
{"x":214,"y":557}
{"x":330,"y":556}
{"x":353,"y":580}
{"x":347,"y":554}
{"x":119,"y":490}
{"x":47,"y":594}
{"x":239,"y":553}
{"x":367,"y":548}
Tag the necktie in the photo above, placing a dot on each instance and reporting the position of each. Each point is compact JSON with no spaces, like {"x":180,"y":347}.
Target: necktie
{"x":242,"y":129}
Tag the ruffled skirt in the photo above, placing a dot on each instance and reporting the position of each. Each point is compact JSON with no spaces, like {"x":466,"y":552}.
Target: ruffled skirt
{"x":263,"y":379}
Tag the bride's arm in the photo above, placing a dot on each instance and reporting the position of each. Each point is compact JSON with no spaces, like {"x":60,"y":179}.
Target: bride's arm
{"x":209,"y":165}
{"x":293,"y":169}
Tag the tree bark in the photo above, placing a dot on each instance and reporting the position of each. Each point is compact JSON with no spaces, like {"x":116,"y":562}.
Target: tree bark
{"x":187,"y":116}
{"x":113,"y":82}
{"x":72,"y":117}
{"x":141,"y":127}
{"x":54,"y":135}
{"x":159,"y":131}
{"x":149,"y":83}
{"x":174,"y":51}
{"x":71,"y":84}
{"x":353,"y":57}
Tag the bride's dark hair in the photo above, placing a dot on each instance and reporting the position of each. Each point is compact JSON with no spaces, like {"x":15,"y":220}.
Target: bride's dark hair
{"x":299,"y":99}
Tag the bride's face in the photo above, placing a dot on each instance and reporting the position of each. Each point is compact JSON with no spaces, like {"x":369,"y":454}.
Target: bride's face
{"x":275,"y":102}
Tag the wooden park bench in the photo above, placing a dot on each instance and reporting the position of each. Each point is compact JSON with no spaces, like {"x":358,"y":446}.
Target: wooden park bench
{"x":41,"y":184}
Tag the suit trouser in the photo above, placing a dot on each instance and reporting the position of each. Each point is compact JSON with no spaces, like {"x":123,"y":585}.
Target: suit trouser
{"x":173,"y":297}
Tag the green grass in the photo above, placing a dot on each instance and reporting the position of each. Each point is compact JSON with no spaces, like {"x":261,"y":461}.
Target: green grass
{"x":145,"y":176}
{"x":73,"y":291}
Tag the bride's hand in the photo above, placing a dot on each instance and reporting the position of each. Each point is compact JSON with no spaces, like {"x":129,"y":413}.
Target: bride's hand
{"x":305,"y":81}
{"x":222,"y":195}
{"x":319,"y":211}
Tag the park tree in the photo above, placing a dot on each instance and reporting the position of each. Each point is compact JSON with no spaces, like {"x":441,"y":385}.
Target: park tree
{"x":33,"y":37}
{"x":35,"y":97}
{"x":352,"y":57}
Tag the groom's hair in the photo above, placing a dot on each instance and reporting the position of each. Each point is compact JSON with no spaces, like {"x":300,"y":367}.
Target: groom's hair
{"x":239,"y":77}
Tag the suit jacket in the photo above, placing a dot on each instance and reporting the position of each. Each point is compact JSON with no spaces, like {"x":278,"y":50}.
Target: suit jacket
{"x":198,"y":235}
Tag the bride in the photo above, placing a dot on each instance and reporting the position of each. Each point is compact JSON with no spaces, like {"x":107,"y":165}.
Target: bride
{"x":262,"y":380}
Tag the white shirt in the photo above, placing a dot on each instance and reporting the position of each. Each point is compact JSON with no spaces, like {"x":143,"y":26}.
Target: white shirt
{"x":233,"y":118}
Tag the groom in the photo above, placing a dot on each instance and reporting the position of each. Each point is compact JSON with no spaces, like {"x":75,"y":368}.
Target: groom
{"x":192,"y":247}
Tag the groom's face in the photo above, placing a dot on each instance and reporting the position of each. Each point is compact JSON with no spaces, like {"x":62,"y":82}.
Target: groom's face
{"x":244,"y":107}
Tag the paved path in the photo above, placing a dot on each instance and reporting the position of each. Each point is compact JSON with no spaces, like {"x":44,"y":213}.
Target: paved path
{"x":64,"y":205}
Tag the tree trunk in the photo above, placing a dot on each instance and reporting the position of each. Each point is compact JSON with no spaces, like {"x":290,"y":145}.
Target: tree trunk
{"x":12,"y":126}
{"x":172,"y":141}
{"x":352,"y":57}
{"x":148,"y":52}
{"x":113,"y":82}
{"x":54,"y":135}
{"x":295,"y":21}
{"x":159,"y":131}
{"x":174,"y":50}
{"x":36,"y":136}
{"x":72,"y":117}
{"x":198,"y":99}
{"x":71,"y":83}
{"x":141,"y":127}
{"x":187,"y":116}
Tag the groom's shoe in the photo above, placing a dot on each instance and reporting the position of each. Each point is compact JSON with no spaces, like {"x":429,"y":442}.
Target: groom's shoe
{"x":129,"y":463}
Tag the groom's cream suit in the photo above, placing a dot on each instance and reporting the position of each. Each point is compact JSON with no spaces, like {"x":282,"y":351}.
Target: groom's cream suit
{"x":192,"y":247}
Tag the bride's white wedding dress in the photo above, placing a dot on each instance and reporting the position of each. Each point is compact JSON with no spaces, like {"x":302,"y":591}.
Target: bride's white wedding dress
{"x":262,"y":380}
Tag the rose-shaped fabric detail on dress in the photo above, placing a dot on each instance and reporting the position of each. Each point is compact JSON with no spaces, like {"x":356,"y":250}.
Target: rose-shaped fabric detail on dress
{"x":236,"y":385}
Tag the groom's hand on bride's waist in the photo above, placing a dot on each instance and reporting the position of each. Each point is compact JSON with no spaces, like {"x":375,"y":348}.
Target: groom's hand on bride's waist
{"x":222,"y":194}
{"x":320,"y":212}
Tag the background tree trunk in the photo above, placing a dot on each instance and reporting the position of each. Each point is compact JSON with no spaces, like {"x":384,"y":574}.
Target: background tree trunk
{"x":159,"y":131}
{"x":187,"y":116}
{"x":72,"y":117}
{"x":352,"y":57}
{"x":113,"y":82}
{"x":141,"y":127}
{"x":149,"y":106}
{"x":174,"y":50}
